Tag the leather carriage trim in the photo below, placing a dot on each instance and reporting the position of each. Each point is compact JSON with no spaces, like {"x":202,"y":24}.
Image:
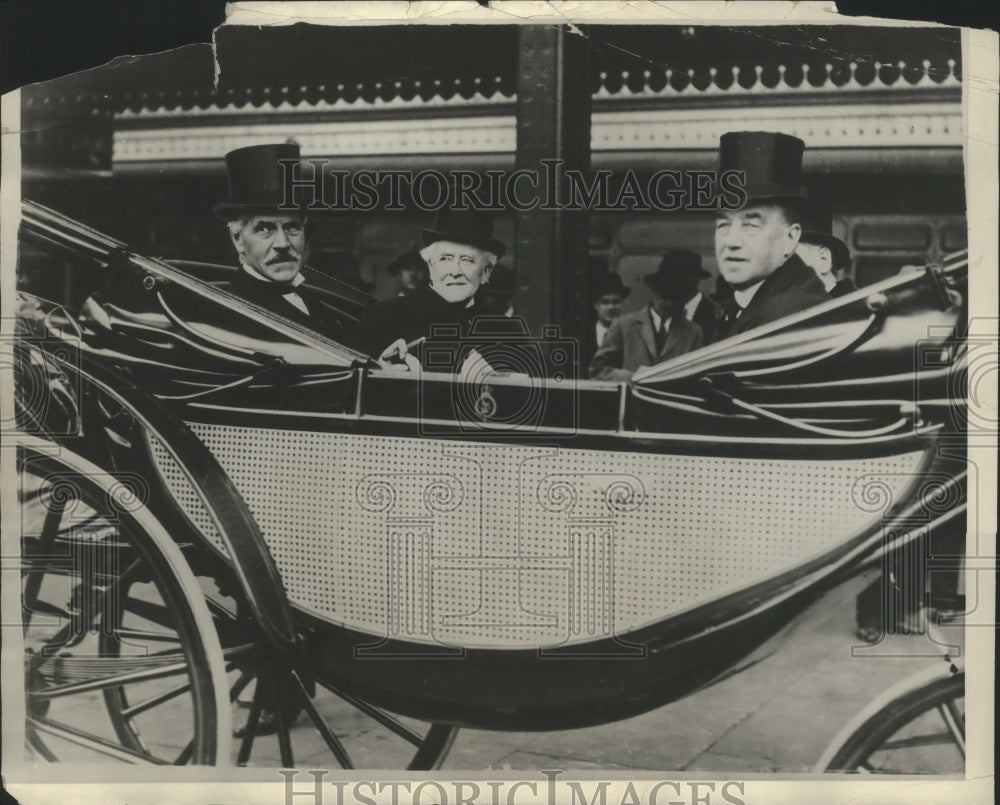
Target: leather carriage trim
{"x":639,"y":441}
{"x":849,"y":344}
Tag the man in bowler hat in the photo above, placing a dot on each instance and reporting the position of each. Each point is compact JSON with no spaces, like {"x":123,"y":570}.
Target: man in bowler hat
{"x":656,"y":333}
{"x":461,"y":253}
{"x":755,"y":246}
{"x":270,"y":239}
{"x":825,"y":254}
{"x":687,"y":274}
{"x":607,"y":295}
{"x":410,"y":272}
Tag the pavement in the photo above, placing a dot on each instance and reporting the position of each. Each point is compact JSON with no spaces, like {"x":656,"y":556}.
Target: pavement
{"x":776,"y":716}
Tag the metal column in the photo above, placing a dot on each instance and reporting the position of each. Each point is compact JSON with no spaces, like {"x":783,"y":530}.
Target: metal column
{"x":553,"y":123}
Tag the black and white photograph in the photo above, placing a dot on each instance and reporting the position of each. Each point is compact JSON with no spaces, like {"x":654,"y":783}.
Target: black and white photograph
{"x":516,"y":405}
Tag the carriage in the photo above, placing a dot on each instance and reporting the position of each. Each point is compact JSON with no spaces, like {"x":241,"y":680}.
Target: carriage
{"x":216,"y":500}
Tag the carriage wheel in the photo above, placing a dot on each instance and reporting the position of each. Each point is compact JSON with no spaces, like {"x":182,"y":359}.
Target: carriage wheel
{"x":921,"y":729}
{"x":284,"y":713}
{"x":122,"y":659}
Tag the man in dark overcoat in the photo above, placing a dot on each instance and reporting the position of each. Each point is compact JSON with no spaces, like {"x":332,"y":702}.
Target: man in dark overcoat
{"x":269,"y":234}
{"x":461,"y":253}
{"x":755,"y":245}
{"x":824,"y":253}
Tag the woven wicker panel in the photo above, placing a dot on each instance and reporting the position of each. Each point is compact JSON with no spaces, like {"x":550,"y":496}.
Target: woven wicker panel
{"x":512,"y":546}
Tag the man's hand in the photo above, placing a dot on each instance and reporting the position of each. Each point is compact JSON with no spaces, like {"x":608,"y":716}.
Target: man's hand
{"x":397,"y":358}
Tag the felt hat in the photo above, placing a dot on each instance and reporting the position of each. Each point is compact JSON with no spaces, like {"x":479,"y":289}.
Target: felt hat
{"x":608,"y":283}
{"x":817,"y":228}
{"x":470,"y":227}
{"x":257,"y":181}
{"x":678,"y":270}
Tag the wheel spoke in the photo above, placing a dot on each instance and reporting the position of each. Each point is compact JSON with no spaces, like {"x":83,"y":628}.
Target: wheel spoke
{"x":50,"y":525}
{"x":133,"y":633}
{"x":955,"y":729}
{"x":931,"y":739}
{"x":157,"y":613}
{"x":284,"y":740}
{"x":383,"y":718}
{"x":185,"y":756}
{"x":331,"y":740}
{"x":36,"y":743}
{"x":93,"y":742}
{"x":250,"y":728}
{"x":245,"y":679}
{"x":158,"y":699}
{"x":146,"y":674}
{"x":45,"y":608}
{"x":145,"y":634}
{"x":72,"y":629}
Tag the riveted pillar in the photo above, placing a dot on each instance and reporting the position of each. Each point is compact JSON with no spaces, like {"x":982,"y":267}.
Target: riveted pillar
{"x":553,"y":123}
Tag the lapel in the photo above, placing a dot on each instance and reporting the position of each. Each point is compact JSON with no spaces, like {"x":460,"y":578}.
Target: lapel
{"x":645,"y":323}
{"x":780,"y":281}
{"x":673,"y":333}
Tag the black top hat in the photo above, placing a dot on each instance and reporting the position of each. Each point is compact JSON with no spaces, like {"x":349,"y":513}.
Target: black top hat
{"x":678,"y":269}
{"x":608,"y":283}
{"x":257,"y":181}
{"x":471,"y":227}
{"x":817,"y":227}
{"x":770,"y":161}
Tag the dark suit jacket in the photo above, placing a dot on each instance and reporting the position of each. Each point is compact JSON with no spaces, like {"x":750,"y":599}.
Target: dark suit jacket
{"x":631,"y":343}
{"x":588,"y":345}
{"x":705,"y":316}
{"x":792,"y":287}
{"x":320,"y":318}
{"x":410,"y":318}
{"x":843,"y":288}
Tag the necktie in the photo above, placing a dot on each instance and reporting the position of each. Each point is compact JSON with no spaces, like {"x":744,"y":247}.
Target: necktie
{"x":727,"y":320}
{"x":661,"y":336}
{"x":731,"y":310}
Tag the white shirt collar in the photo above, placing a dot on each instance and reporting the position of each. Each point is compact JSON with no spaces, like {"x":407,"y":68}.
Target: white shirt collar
{"x":743,"y":297}
{"x":658,"y":321}
{"x":297,"y":280}
{"x":600,"y":331}
{"x":291,"y":297}
{"x":691,"y":306}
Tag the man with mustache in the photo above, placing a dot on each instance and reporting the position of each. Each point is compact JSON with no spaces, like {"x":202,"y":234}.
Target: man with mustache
{"x":755,"y":246}
{"x":270,"y":238}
